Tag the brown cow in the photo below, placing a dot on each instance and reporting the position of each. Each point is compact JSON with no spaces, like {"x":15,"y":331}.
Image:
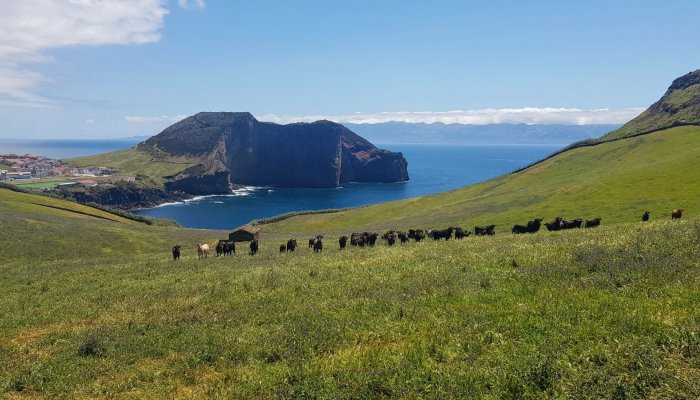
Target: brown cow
{"x":677,"y":214}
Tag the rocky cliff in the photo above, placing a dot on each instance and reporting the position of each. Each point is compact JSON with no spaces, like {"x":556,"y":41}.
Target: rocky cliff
{"x":237,"y":149}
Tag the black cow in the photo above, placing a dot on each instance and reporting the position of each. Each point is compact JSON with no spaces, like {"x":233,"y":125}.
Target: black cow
{"x":390,"y":239}
{"x":489,"y":230}
{"x":460,"y":233}
{"x":419,"y":235}
{"x":342,"y":241}
{"x":219,"y":249}
{"x":371,"y":238}
{"x":311,"y":242}
{"x":555,"y":225}
{"x":291,"y":245}
{"x":176,"y":252}
{"x":443,"y":233}
{"x":532,"y":226}
{"x":318,"y":244}
{"x":592,"y":223}
{"x":358,"y":239}
{"x":403,"y":237}
{"x":283,"y":248}
{"x":645,"y":216}
{"x":229,"y":248}
{"x":572,"y":224}
{"x":253,"y":247}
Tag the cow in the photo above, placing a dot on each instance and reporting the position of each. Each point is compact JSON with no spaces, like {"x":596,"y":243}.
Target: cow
{"x":311,"y":242}
{"x":677,"y":214}
{"x":202,"y":250}
{"x":403,"y":237}
{"x":645,"y":216}
{"x":532,"y":227}
{"x":219,"y":249}
{"x":229,"y":248}
{"x":291,"y":245}
{"x":371,"y":238}
{"x":460,"y":233}
{"x":283,"y":248}
{"x":592,"y":223}
{"x":444,"y":233}
{"x":176,"y":252}
{"x":489,"y":230}
{"x":555,"y":225}
{"x":390,"y":239}
{"x":342,"y":241}
{"x":572,"y":224}
{"x":419,"y":235}
{"x":318,"y":244}
{"x":358,"y":239}
{"x":253,"y":247}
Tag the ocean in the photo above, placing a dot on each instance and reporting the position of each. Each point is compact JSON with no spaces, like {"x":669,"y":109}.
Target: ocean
{"x":432,"y":168}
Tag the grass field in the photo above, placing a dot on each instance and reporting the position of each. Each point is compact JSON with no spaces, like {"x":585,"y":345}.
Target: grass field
{"x":96,"y":308}
{"x":39,"y":185}
{"x":616,"y":181}
{"x":136,"y":163}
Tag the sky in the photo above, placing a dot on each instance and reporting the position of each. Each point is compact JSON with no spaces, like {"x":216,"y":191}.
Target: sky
{"x":118,"y":68}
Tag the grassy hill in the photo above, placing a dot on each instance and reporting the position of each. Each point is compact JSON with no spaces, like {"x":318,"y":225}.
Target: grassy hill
{"x":149,"y":166}
{"x":680,"y":105}
{"x":616,"y":181}
{"x":96,"y":308}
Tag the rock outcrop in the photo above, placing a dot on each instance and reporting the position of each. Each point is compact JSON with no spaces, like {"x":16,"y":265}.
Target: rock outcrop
{"x":237,"y":149}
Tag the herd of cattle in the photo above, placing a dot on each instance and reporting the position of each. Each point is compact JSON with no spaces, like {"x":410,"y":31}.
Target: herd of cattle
{"x":369,"y":239}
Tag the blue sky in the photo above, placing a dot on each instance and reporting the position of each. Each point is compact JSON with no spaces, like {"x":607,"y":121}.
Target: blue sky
{"x":94,"y":69}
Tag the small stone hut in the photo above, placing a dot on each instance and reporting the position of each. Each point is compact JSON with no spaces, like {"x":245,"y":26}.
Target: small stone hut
{"x":245,"y":233}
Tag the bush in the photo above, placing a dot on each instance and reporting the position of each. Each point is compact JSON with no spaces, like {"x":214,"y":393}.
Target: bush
{"x":92,"y":346}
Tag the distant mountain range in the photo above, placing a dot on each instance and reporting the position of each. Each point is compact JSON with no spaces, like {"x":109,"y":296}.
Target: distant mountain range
{"x":403,"y":132}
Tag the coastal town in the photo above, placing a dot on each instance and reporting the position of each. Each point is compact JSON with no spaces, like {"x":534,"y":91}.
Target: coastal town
{"x":34,"y":171}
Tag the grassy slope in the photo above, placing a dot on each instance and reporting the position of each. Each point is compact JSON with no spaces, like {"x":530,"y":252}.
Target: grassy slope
{"x":31,"y":205}
{"x":680,"y":106}
{"x":134,"y":162}
{"x":577,"y":314}
{"x":616,"y":181}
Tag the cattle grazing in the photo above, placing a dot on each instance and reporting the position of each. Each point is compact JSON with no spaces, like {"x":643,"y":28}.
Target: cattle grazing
{"x":291,"y":245}
{"x":419,"y":235}
{"x":371,"y":238}
{"x":311,"y":242}
{"x":645,"y":216}
{"x":555,"y":225}
{"x":390,"y":239}
{"x":229,"y":248}
{"x":489,"y":230}
{"x":460,"y":233}
{"x":358,"y":239}
{"x":318,"y":244}
{"x":219,"y":249}
{"x":342,"y":241}
{"x":572,"y":224}
{"x":202,"y":250}
{"x":403,"y":237}
{"x":253,"y":247}
{"x":283,"y":248}
{"x":532,"y":227}
{"x":677,"y":214}
{"x":176,"y":252}
{"x":592,"y":223}
{"x":443,"y":233}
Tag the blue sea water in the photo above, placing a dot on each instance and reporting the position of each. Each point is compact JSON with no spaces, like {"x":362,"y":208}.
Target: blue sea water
{"x":432,"y":168}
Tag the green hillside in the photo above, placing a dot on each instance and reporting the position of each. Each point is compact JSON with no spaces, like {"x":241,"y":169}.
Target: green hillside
{"x":680,"y":105}
{"x":616,"y":181}
{"x":96,"y":309}
{"x":151,"y":167}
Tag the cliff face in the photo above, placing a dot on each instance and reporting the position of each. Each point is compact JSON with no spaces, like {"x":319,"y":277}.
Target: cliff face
{"x":235,"y":148}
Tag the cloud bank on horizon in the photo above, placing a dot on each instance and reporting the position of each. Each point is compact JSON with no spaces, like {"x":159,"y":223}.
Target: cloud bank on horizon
{"x":31,"y":28}
{"x":526,"y":115}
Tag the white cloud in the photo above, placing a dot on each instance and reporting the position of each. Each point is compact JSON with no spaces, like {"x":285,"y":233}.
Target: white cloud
{"x":137,"y":119}
{"x":28,"y":28}
{"x":89,"y":121}
{"x":527,"y":115}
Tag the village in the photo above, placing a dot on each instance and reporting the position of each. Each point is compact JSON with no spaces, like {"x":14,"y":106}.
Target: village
{"x":40,"y":172}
